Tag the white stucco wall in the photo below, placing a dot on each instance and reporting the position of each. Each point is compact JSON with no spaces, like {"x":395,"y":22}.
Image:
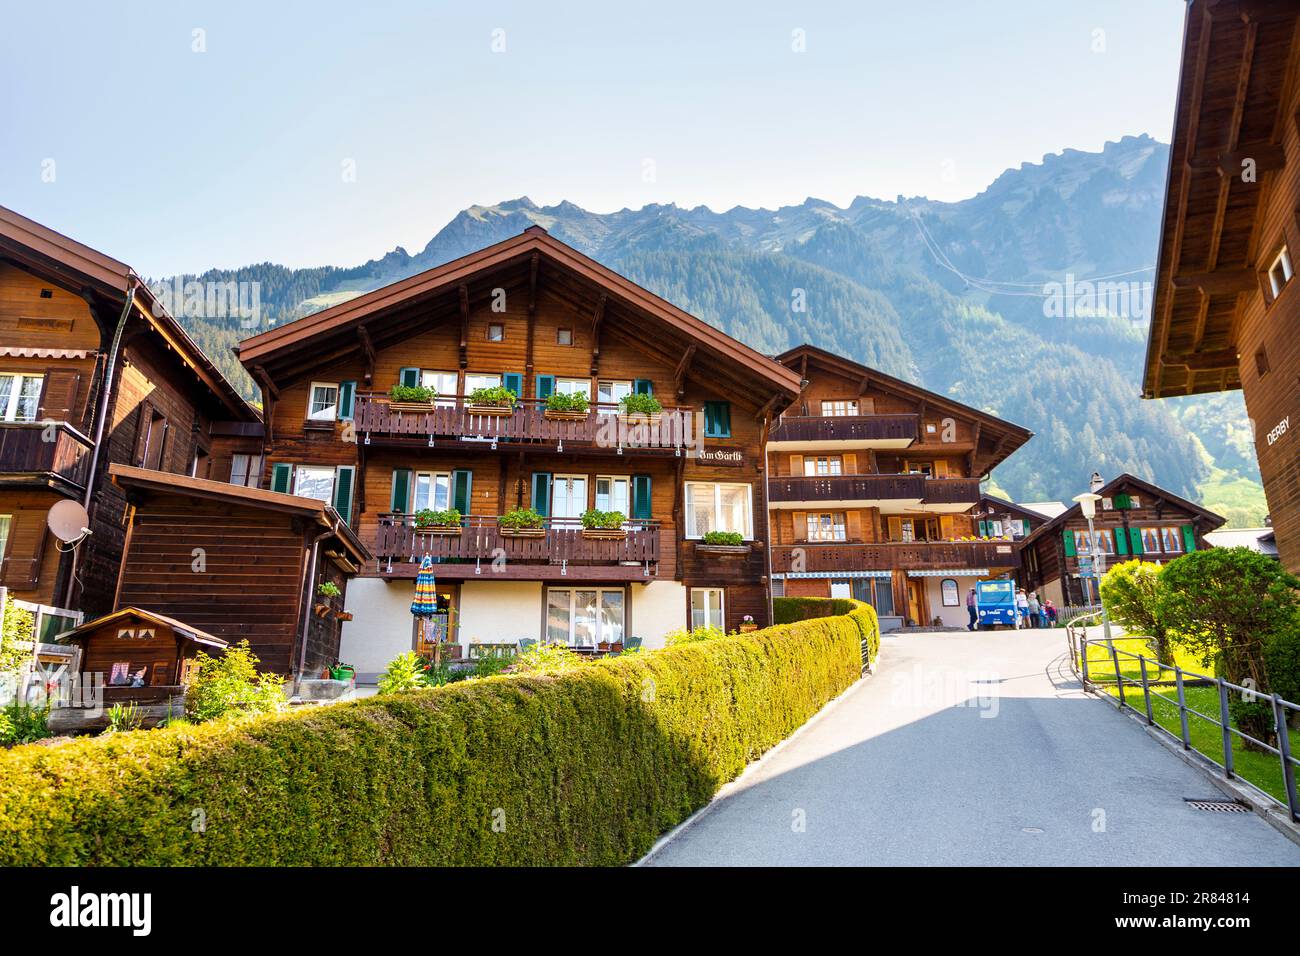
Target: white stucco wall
{"x":952,"y":616}
{"x":657,"y":608}
{"x":381,"y":627}
{"x":500,"y":611}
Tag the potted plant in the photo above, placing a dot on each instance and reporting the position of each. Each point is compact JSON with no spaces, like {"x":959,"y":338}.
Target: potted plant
{"x":496,"y":400}
{"x":639,"y":408}
{"x":566,"y":407}
{"x":446,"y":521}
{"x":722,"y":543}
{"x":411,"y":398}
{"x":747,"y":624}
{"x":327,"y":590}
{"x":342,"y":671}
{"x":603,"y":525}
{"x":522,"y":523}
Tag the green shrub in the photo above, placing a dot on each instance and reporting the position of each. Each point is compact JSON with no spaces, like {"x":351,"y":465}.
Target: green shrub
{"x":230,"y":685}
{"x":1282,"y":661}
{"x":412,"y":393}
{"x":570,"y":402}
{"x":521,"y":518}
{"x":683,"y":636}
{"x":1130,"y":592}
{"x":732,"y":538}
{"x":585,"y":765}
{"x":544,"y":658}
{"x":123,"y":717}
{"x":430,"y":518}
{"x":404,"y":672}
{"x":23,"y":723}
{"x":15,"y":636}
{"x":639,"y":403}
{"x":787,"y":610}
{"x":593,"y":519}
{"x":497,"y":396}
{"x":328,"y":589}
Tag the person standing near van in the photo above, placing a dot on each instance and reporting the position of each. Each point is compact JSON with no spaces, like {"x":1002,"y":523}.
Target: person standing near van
{"x":1022,"y":607}
{"x":970,"y":609}
{"x":1035,"y":610}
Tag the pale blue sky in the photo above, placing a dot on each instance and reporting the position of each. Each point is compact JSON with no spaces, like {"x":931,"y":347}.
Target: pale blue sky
{"x":174,"y":160}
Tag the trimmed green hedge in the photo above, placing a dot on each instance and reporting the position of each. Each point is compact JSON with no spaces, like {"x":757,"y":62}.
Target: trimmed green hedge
{"x":788,"y":610}
{"x":586,"y":766}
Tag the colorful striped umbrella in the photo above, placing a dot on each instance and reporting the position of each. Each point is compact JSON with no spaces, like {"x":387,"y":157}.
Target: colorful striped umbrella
{"x":425,"y":603}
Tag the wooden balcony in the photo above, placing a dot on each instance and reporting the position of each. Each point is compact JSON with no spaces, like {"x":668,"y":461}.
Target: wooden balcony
{"x":829,"y":432}
{"x":820,"y":557}
{"x":952,"y":491}
{"x":44,"y":453}
{"x":861,"y":490}
{"x":601,"y":427}
{"x":480,"y":551}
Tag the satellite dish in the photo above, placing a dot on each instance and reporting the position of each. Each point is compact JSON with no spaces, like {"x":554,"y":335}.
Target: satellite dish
{"x":68,"y":520}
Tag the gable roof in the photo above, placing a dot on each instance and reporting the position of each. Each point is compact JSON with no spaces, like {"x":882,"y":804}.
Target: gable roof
{"x":447,"y":279}
{"x":180,"y":628}
{"x":1002,"y":504}
{"x":311,"y":509}
{"x":1127,"y":480}
{"x":91,"y":274}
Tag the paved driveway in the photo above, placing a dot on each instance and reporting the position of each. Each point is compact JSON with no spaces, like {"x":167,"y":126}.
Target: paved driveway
{"x":973,"y":749}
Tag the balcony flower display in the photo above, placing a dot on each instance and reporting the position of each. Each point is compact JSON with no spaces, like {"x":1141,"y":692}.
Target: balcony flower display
{"x":522,"y":522}
{"x":566,"y":407}
{"x":413,"y":397}
{"x":640,"y":408}
{"x":496,"y":400}
{"x":603,"y":524}
{"x":446,"y":521}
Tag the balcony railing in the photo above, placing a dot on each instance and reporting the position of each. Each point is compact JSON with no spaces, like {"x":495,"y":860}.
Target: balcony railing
{"x":44,"y":451}
{"x":891,"y":429}
{"x":848,"y":488}
{"x":951,"y":491}
{"x":454,"y":417}
{"x":561,"y":542}
{"x":912,"y":555}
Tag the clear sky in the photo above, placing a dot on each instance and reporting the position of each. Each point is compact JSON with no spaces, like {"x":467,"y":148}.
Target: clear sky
{"x":177,"y":159}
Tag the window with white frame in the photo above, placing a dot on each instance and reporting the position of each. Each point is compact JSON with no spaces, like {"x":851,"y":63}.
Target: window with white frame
{"x":718,"y":506}
{"x":826,"y":526}
{"x":432,"y":490}
{"x":477,"y":380}
{"x":707,"y":608}
{"x":837,"y":408}
{"x":816,"y":465}
{"x":1280,"y":271}
{"x":573,"y":386}
{"x":445,"y":384}
{"x":20,"y":396}
{"x":324,"y":403}
{"x":613,"y":493}
{"x":246,"y":470}
{"x":584,"y":617}
{"x":314,"y":481}
{"x":1150,"y":540}
{"x":1171,"y":540}
{"x":611,"y":392}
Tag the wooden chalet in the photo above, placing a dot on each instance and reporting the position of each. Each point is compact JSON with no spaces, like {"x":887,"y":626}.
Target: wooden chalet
{"x":241,"y":563}
{"x":534,"y":316}
{"x":70,"y":405}
{"x":1226,"y":309}
{"x":1134,"y":520}
{"x":874,"y":490}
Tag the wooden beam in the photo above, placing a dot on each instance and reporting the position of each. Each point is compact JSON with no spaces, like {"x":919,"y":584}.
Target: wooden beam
{"x":767,"y":407}
{"x":679,"y":375}
{"x":597,"y":320}
{"x":864,"y":385}
{"x":1218,"y":282}
{"x":1202,"y":361}
{"x":464,"y":325}
{"x":265,"y":381}
{"x":534,"y":263}
{"x":1268,"y":157}
{"x":368,"y":347}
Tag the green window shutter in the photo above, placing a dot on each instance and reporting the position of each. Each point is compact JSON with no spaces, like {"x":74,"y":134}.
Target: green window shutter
{"x":1189,"y":538}
{"x":410,"y":377}
{"x":345,"y":479}
{"x":515,"y":382}
{"x":462,"y":484}
{"x":717,"y":419}
{"x":1123,"y":501}
{"x":643,"y":386}
{"x":282,"y":477}
{"x":641,"y":498}
{"x":1135,"y":539}
{"x":401,"y":491}
{"x":984,"y":529}
{"x":1121,"y":541}
{"x":545,"y":386}
{"x":542,"y":493}
{"x":1068,"y":537}
{"x":347,"y":398}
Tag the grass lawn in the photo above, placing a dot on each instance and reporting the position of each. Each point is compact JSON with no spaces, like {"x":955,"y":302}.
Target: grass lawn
{"x":1264,"y":770}
{"x":1101,"y":668}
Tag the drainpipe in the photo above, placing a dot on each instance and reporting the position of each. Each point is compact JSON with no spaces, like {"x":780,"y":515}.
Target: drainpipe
{"x":306,"y":609}
{"x":106,"y":388}
{"x":767,"y":523}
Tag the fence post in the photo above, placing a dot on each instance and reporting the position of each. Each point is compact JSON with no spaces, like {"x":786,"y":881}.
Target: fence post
{"x":1146,"y":689}
{"x":1119,"y":678}
{"x":1284,"y":748}
{"x":1083,"y":655}
{"x":1182,"y":708}
{"x":1225,"y":721}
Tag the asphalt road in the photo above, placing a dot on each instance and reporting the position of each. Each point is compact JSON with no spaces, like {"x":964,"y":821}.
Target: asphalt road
{"x":973,"y":749}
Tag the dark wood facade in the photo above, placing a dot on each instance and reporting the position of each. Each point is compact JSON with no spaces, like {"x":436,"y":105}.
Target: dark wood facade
{"x":60,"y":306}
{"x":533,"y":315}
{"x":1134,"y":520}
{"x":873,"y":476}
{"x":240,"y":563}
{"x":1226,"y":309}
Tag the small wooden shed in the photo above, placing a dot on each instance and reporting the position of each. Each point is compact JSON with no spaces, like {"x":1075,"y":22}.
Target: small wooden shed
{"x":144,"y":656}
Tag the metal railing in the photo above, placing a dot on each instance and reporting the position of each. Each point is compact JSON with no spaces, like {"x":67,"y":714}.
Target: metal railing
{"x":1282,"y":710}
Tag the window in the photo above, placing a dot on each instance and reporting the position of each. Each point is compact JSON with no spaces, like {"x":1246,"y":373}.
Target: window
{"x":19,"y":396}
{"x":5,"y":522}
{"x":432,"y":490}
{"x":718,"y":507}
{"x":447,"y":384}
{"x":839,"y":407}
{"x":1106,"y":539}
{"x":611,"y":393}
{"x":496,"y":332}
{"x":314,"y":481}
{"x":1151,"y":540}
{"x":1082,"y":542}
{"x":200,"y":463}
{"x":823,"y":465}
{"x":324,"y":403}
{"x":476,"y":380}
{"x":914,"y":529}
{"x":246,"y":470}
{"x":1280,"y":272}
{"x":1261,"y":363}
{"x":707,"y":608}
{"x":568,"y":496}
{"x":717,"y":419}
{"x":584,"y":617}
{"x":919,"y":468}
{"x":826,"y":526}
{"x":1171,"y":540}
{"x":612,"y":493}
{"x":931,"y":428}
{"x":564,"y":336}
{"x":573,"y":386}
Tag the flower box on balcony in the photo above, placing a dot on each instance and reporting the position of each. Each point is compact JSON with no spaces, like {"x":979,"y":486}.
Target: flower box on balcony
{"x":523,"y":532}
{"x":500,"y":411}
{"x":638,"y":419}
{"x":449,"y":530}
{"x":415,"y":408}
{"x":605,"y":534}
{"x":722,"y":550}
{"x":564,"y":415}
